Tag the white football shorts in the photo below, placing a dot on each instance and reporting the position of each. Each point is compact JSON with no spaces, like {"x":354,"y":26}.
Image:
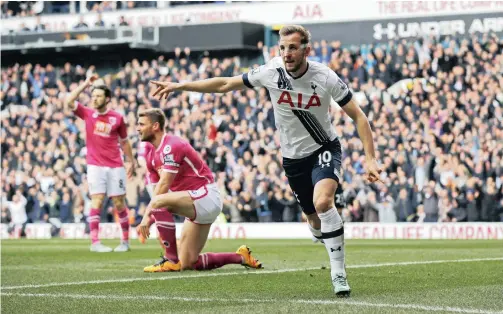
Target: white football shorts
{"x":106,"y":180}
{"x":207,"y":204}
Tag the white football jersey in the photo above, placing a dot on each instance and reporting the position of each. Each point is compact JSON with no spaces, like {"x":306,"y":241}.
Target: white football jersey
{"x":301,"y":105}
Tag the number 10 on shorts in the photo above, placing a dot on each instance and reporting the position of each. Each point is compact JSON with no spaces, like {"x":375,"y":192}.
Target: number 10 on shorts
{"x":324,"y":159}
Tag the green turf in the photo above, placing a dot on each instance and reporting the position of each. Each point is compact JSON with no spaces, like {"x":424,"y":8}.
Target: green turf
{"x":475,"y":286}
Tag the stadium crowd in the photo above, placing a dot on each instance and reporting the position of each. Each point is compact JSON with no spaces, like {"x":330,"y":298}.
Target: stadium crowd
{"x":38,"y":9}
{"x":435,"y":106}
{"x":10,"y":9}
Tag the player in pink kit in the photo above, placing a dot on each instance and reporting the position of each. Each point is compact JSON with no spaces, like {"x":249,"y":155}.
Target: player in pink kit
{"x":105,"y":131}
{"x":165,"y":223}
{"x":151,"y":178}
{"x":192,"y":194}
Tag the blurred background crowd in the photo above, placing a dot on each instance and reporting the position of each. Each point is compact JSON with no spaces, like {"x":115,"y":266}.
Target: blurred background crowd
{"x":13,"y":9}
{"x":435,"y":105}
{"x":33,"y":8}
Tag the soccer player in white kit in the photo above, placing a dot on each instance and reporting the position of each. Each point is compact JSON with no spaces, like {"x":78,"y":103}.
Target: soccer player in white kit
{"x":301,"y":92}
{"x":105,"y":130}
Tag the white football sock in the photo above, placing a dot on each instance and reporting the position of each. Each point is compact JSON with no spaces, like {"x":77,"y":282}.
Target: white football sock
{"x":316,"y":232}
{"x":333,"y":235}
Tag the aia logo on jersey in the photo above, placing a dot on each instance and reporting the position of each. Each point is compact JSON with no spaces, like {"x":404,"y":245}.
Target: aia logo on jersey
{"x":286,"y":98}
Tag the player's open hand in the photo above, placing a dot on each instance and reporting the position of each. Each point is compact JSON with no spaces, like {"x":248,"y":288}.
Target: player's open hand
{"x":373,"y":170}
{"x":90,"y":80}
{"x":163,"y":89}
{"x":144,"y":226}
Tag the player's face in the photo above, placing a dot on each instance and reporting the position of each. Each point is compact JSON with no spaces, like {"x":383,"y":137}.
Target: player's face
{"x":146,"y":129}
{"x":293,"y":52}
{"x":98,"y":99}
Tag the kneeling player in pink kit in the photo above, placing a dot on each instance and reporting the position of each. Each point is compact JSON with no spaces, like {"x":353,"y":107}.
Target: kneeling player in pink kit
{"x":192,"y":194}
{"x":165,"y":223}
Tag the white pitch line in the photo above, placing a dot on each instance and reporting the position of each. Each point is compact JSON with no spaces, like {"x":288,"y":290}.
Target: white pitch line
{"x":468,"y":260}
{"x":320,"y":302}
{"x":91,"y":282}
{"x":258,"y":272}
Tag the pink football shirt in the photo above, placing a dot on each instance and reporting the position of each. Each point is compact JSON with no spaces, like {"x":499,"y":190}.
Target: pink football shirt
{"x":177,"y":156}
{"x":103,"y":132}
{"x":144,"y":150}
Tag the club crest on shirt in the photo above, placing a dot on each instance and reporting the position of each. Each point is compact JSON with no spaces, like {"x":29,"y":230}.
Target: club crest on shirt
{"x":166,"y":149}
{"x":112,"y":120}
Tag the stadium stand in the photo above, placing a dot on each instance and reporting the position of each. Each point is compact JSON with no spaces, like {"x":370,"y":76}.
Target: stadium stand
{"x":435,"y":104}
{"x":32,"y":8}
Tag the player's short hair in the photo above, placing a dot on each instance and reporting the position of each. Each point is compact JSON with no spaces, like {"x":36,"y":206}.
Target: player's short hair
{"x":108,"y":92}
{"x":154,"y":115}
{"x":305,"y":35}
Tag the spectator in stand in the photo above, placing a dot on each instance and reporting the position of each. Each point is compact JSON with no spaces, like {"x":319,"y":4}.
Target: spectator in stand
{"x":81,"y":24}
{"x":122,"y":21}
{"x":99,"y":21}
{"x":438,"y":131}
{"x":39,"y":27}
{"x":17,"y":211}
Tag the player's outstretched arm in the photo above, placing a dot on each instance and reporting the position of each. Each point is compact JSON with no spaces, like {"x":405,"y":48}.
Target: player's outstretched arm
{"x":212,"y":85}
{"x":70,"y":99}
{"x":354,"y":111}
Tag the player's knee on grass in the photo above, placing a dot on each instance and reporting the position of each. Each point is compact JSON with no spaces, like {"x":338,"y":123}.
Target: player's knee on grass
{"x":119,"y":202}
{"x":188,"y":261}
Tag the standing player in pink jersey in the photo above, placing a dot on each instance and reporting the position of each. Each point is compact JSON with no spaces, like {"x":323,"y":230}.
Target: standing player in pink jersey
{"x":106,"y":175}
{"x":192,"y":194}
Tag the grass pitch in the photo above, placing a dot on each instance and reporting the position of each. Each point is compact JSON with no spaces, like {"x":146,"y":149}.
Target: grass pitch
{"x":413,"y":276}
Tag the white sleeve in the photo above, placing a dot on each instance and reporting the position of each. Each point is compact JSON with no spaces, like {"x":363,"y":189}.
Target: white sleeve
{"x":256,"y":77}
{"x":338,"y":89}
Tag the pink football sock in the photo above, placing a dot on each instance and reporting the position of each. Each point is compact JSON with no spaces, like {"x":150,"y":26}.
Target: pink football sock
{"x":94,"y":224}
{"x":167,"y":232}
{"x":124,"y":222}
{"x":209,"y":261}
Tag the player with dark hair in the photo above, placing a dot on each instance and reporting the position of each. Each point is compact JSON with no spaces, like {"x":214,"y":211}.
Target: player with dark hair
{"x":185,"y":187}
{"x":106,"y":134}
{"x":301,"y":92}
